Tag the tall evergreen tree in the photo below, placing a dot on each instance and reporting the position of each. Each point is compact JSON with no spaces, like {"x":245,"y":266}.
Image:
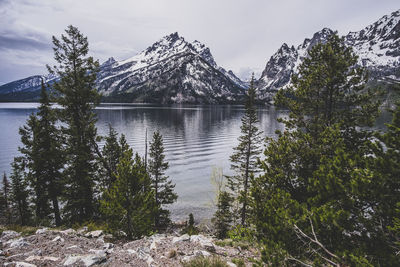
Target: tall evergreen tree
{"x":42,"y":150}
{"x":29,"y":138}
{"x":163,"y":188}
{"x":112,"y":152}
{"x":76,"y":93}
{"x":19,"y":193}
{"x":5,"y":201}
{"x":129,"y":204}
{"x":244,"y":158}
{"x":311,"y":202}
{"x":223,"y":218}
{"x":386,"y":185}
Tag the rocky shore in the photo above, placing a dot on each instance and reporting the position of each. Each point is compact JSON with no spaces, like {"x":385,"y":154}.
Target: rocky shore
{"x":50,"y":247}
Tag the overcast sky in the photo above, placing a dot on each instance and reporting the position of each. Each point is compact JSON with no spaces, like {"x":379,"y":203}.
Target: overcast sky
{"x":242,"y":34}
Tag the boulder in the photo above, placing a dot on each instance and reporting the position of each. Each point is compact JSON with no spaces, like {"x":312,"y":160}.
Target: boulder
{"x":58,"y":239}
{"x":8,"y":234}
{"x":41,"y":231}
{"x":181,"y":238}
{"x":94,"y":234}
{"x":153,"y":245}
{"x":69,"y":231}
{"x":18,"y":243}
{"x":201,"y":253}
{"x":205,"y":242}
{"x":87,"y":260}
{"x":131,"y":251}
{"x":41,"y":258}
{"x":231,"y":264}
{"x":19,"y":264}
{"x":150,"y":261}
{"x":188,"y":258}
{"x":82,"y":230}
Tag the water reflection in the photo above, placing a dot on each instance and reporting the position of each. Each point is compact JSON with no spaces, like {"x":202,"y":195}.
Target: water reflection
{"x":196,"y":138}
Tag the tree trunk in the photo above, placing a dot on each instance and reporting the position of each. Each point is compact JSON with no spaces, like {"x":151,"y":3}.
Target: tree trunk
{"x":56,"y":211}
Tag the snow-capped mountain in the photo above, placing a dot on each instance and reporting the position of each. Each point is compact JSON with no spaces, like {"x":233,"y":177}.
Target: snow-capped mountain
{"x":171,"y":70}
{"x":377,"y":46}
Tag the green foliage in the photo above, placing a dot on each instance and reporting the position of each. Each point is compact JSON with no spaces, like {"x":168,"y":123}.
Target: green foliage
{"x":314,"y":202}
{"x":112,"y":152}
{"x":162,"y":187}
{"x":76,"y":93}
{"x":190,"y":228}
{"x":129,"y":204}
{"x":245,"y":156}
{"x":205,"y":262}
{"x":240,"y":233}
{"x":42,"y":153}
{"x":239,"y":262}
{"x":19,"y":193}
{"x":5,"y":203}
{"x":386,"y":166}
{"x":223,"y":218}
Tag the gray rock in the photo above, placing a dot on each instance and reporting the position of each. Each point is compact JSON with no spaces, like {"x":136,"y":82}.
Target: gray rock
{"x":68,"y":231}
{"x":188,"y":258}
{"x":82,"y":230}
{"x":205,"y":242}
{"x":19,"y":264}
{"x":231,"y":264}
{"x":58,"y":239}
{"x":8,"y":234}
{"x":181,"y":238}
{"x":40,"y":258}
{"x":87,"y":260}
{"x":201,"y":253}
{"x":18,"y":243}
{"x":94,"y":234}
{"x":131,"y":251}
{"x":150,"y":261}
{"x":41,"y":231}
{"x":153,"y":245}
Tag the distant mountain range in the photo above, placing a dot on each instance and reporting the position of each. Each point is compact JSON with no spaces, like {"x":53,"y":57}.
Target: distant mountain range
{"x":377,"y":46}
{"x":173,"y":70}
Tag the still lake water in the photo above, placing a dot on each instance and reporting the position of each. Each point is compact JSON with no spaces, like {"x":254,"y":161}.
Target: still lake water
{"x":196,"y":139}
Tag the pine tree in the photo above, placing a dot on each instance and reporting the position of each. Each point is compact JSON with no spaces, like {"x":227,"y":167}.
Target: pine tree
{"x":5,"y":201}
{"x":386,"y":185}
{"x":42,"y":152}
{"x":223,"y":218}
{"x":19,"y":193}
{"x":111,"y":154}
{"x":77,"y":95}
{"x":129,"y":204}
{"x":244,"y":158}
{"x":163,"y":187}
{"x":29,"y":138}
{"x":311,"y":202}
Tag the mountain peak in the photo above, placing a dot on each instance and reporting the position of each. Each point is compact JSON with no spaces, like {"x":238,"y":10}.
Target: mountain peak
{"x":173,"y":37}
{"x":377,"y":47}
{"x":108,"y":62}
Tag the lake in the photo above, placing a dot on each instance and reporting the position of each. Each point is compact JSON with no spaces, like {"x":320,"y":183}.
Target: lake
{"x":197,"y":139}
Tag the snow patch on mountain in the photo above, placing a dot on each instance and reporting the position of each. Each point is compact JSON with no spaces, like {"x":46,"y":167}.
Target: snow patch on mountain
{"x":377,"y":47}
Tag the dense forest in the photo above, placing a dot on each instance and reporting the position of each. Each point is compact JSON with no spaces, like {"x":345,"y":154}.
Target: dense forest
{"x":325,"y":192}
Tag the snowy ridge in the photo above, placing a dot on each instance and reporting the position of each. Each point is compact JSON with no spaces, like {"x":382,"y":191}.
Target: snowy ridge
{"x":377,"y":46}
{"x":171,"y":70}
{"x":169,"y":46}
